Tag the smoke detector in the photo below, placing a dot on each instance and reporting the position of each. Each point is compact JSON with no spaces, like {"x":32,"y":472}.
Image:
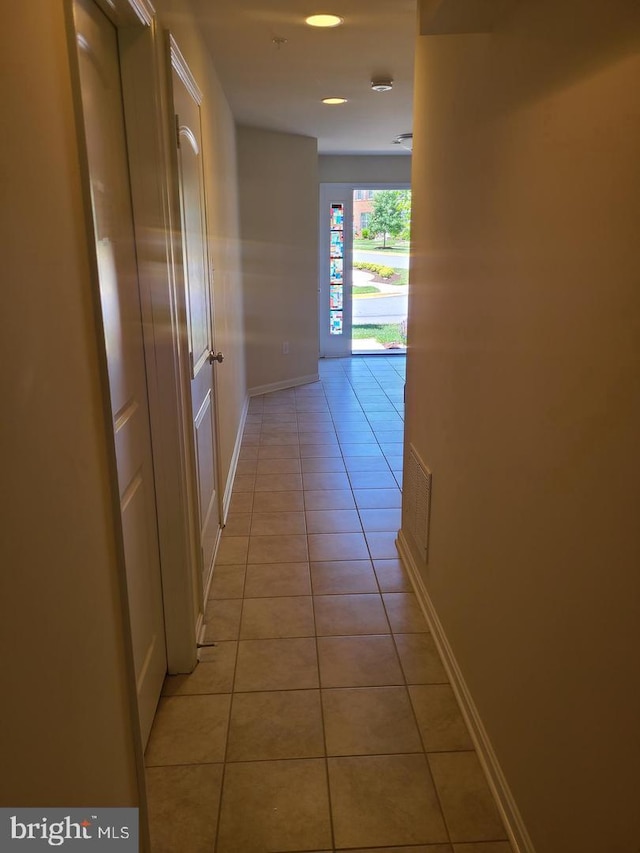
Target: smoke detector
{"x":382,"y":85}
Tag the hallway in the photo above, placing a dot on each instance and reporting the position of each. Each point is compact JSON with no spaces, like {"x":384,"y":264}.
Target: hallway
{"x":320,"y":717}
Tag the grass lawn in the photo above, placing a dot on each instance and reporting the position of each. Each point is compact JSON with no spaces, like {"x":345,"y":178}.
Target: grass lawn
{"x":361,"y":289}
{"x":401,"y":246}
{"x":384,"y":333}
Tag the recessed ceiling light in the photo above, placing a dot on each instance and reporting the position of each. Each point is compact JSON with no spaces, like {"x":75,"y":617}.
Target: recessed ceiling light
{"x":334,"y":100}
{"x":324,"y":20}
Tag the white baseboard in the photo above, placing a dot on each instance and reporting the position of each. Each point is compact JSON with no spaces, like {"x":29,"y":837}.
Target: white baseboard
{"x":199,"y":627}
{"x":281,"y":386}
{"x":226,"y":498}
{"x":517,"y":831}
{"x":226,"y":502}
{"x":209,"y":578}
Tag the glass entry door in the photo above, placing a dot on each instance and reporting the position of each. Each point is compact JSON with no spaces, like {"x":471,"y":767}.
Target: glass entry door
{"x":364,"y":268}
{"x":336,"y":242}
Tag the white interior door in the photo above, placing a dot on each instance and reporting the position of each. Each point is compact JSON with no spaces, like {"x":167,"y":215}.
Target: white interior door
{"x":336,"y":244}
{"x":199,"y":311}
{"x":121,"y":313}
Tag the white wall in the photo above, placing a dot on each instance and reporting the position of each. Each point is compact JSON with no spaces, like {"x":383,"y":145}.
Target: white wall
{"x":278,"y":175}
{"x":523,"y":396}
{"x":335,"y":169}
{"x":68,"y":732}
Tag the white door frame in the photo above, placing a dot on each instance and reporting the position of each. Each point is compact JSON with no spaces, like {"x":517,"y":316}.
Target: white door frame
{"x":339,"y":346}
{"x":176,"y":62}
{"x":162,"y":303}
{"x":160,"y":261}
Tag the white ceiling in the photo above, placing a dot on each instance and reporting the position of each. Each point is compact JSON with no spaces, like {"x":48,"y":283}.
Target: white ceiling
{"x":281,"y":87}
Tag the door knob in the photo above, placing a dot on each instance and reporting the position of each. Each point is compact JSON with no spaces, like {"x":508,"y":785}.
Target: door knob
{"x":215,"y":356}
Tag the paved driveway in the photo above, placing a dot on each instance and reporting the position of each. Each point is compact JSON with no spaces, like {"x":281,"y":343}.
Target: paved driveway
{"x":381,"y":309}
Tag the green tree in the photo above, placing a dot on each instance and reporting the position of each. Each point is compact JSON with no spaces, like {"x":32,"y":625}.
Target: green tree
{"x":391,"y":214}
{"x":405,"y":204}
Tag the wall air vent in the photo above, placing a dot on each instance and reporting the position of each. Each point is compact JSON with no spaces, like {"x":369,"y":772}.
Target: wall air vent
{"x":416,"y":501}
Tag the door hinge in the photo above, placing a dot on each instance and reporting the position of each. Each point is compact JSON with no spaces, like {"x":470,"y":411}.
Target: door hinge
{"x":177,"y":130}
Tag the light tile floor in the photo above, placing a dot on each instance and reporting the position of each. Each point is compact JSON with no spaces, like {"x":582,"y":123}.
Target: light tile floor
{"x":319,"y":717}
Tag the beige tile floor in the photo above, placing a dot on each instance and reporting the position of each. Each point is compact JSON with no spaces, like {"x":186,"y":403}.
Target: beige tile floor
{"x":319,"y":717}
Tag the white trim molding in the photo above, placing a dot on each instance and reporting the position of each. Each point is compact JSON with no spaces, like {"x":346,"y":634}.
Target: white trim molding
{"x":200,"y":622}
{"x":144,"y":11}
{"x":226,"y":499}
{"x":127,"y":13}
{"x":281,"y":386}
{"x":516,"y":829}
{"x":185,"y":131}
{"x":179,"y":65}
{"x":150,"y":179}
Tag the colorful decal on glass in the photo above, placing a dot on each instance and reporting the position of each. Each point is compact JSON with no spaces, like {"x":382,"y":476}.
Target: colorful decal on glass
{"x":336,"y":269}
{"x":337,"y":244}
{"x":335,"y":297}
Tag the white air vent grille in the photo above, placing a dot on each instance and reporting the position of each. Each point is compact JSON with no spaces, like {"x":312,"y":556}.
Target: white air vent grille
{"x":416,"y":501}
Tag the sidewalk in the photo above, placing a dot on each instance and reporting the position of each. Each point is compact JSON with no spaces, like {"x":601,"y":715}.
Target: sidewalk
{"x":362,"y":278}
